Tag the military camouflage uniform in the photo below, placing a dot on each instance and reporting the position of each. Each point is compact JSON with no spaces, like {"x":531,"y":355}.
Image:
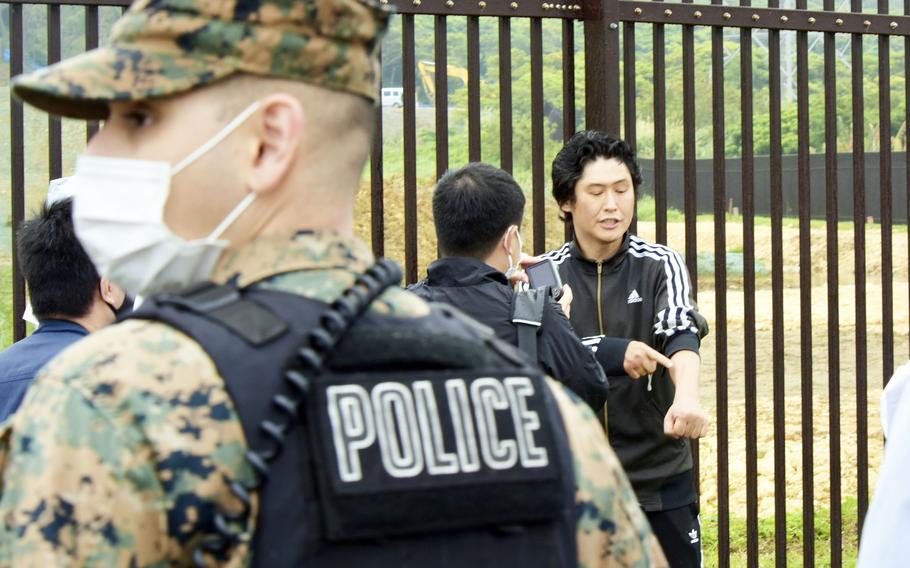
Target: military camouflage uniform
{"x":126,"y":443}
{"x":127,"y":439}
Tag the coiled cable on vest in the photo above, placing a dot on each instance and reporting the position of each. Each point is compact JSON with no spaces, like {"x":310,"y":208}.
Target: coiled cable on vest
{"x":311,"y":358}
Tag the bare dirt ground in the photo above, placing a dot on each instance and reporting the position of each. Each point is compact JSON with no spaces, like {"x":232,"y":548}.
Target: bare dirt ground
{"x":735,"y":347}
{"x":817,"y":355}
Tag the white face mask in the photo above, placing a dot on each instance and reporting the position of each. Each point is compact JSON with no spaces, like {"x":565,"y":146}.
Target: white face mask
{"x":59,"y":189}
{"x":118,"y":214}
{"x":513,"y":268}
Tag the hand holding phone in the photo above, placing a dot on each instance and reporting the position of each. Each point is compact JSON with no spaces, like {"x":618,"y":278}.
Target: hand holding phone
{"x":544,"y":273}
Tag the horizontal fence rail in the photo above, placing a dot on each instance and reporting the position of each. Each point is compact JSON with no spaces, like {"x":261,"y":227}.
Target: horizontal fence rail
{"x":767,"y":163}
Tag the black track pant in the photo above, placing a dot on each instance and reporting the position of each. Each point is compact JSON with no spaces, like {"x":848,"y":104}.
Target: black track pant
{"x":679,"y":533}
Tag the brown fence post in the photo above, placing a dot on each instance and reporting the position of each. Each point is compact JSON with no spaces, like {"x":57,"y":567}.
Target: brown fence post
{"x":17,"y":163}
{"x":602,"y":65}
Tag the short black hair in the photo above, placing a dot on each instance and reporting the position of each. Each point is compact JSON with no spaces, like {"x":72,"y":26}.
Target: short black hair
{"x":61,"y":278}
{"x":473,"y":206}
{"x":581,"y":149}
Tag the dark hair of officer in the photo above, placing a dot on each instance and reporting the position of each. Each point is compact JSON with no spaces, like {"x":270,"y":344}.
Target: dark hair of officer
{"x":585,"y":147}
{"x":61,"y":278}
{"x":473,"y":206}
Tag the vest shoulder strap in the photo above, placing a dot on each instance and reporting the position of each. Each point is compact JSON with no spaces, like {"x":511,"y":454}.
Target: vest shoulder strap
{"x":224,"y":305}
{"x":527,"y":315}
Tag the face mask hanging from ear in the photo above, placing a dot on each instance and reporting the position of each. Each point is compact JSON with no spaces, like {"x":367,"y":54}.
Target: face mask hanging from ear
{"x":513,"y":268}
{"x":125,"y":309}
{"x":118,"y":215}
{"x":59,"y":189}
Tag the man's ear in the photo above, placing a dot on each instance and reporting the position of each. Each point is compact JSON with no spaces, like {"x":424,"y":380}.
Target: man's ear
{"x":566,"y":206}
{"x":510,"y":238}
{"x":504,"y":239}
{"x":279,"y":128}
{"x":110,"y":292}
{"x":106,"y":290}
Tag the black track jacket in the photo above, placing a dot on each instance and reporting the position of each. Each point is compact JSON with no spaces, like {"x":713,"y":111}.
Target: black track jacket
{"x":642,"y":293}
{"x":483,"y":293}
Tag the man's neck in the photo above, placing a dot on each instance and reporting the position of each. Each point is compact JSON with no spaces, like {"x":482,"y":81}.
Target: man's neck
{"x":91,"y":322}
{"x":596,"y":250}
{"x":100,"y":315}
{"x":83,"y":322}
{"x":302,"y":204}
{"x":497,"y":261}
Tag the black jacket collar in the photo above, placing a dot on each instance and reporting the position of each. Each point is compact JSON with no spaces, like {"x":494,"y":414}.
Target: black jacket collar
{"x":614,"y":260}
{"x":458,"y":271}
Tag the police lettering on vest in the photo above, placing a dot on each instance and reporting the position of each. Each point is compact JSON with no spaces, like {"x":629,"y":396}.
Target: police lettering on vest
{"x":377,"y":431}
{"x":406,"y":423}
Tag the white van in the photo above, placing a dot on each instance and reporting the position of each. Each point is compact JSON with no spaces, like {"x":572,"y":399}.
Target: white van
{"x":392,"y":96}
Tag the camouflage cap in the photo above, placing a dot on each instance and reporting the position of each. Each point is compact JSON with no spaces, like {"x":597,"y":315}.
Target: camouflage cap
{"x":165,"y":47}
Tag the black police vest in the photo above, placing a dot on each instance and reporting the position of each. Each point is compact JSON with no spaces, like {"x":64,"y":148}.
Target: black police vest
{"x":381,"y":441}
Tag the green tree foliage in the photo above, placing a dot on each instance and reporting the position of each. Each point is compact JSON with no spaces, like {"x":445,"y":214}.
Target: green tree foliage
{"x":73,"y":23}
{"x":704,"y":119}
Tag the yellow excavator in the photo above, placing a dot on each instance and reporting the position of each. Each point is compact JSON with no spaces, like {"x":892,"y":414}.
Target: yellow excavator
{"x":427,"y":70}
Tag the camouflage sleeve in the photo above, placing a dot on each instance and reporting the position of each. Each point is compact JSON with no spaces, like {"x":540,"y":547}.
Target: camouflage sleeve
{"x":77,"y":489}
{"x":119,"y":455}
{"x":611,"y":529}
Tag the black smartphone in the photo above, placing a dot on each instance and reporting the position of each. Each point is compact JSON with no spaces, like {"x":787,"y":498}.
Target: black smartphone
{"x":544,"y":273}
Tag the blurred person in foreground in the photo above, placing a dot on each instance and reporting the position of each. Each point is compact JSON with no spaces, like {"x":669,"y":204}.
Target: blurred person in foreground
{"x":478,"y":210}
{"x":888,"y":521}
{"x":68,"y":298}
{"x":278,"y":400}
{"x":627,"y":287}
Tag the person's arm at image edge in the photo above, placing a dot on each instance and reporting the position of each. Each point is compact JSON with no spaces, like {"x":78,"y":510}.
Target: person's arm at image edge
{"x":75,"y":489}
{"x":611,"y":529}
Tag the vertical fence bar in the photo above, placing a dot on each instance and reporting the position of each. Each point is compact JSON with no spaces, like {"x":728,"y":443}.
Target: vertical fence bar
{"x":884,"y":128}
{"x":689,"y":186}
{"x":831,"y":215}
{"x":505,"y":94}
{"x":660,"y":134}
{"x":805,"y":289}
{"x":441,"y":80}
{"x":689,"y":172}
{"x":537,"y":141}
{"x":749,"y":349}
{"x":613,"y":57}
{"x":91,"y":42}
{"x":474,"y":150}
{"x":441,"y":99}
{"x":17,"y":165}
{"x":720,"y":293}
{"x":907,"y":123}
{"x":377,"y":189}
{"x":629,"y":93}
{"x":568,"y":90}
{"x":859,"y":270}
{"x":410,"y":147}
{"x":777,"y":298}
{"x":54,"y":127}
{"x":568,"y":79}
{"x":601,"y":61}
